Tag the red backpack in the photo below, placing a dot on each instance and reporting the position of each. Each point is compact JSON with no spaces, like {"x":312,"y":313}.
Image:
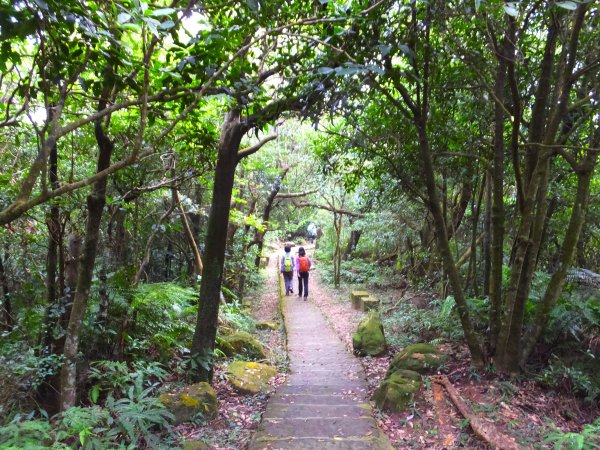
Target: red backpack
{"x":304,"y":264}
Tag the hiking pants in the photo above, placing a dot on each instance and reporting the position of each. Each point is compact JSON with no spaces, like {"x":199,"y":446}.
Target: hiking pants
{"x":303,"y":281}
{"x":287,"y":281}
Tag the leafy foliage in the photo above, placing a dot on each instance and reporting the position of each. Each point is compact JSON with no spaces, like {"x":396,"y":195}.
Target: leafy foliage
{"x":587,"y":439}
{"x":408,"y":324}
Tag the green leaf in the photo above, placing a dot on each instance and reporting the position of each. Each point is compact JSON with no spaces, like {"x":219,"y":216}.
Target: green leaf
{"x":571,"y":6}
{"x":167,"y":25}
{"x":123,"y":18}
{"x":477,"y":4}
{"x":95,"y":393}
{"x":253,"y":5}
{"x":324,"y":70}
{"x":511,"y":9}
{"x":384,"y":49}
{"x":161,"y":12}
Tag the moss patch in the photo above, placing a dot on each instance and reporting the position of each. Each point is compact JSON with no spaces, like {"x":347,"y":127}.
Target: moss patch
{"x":187,"y":402}
{"x":242,"y":344}
{"x":397,"y":390}
{"x":250,"y":377}
{"x":420,"y":358}
{"x":369,"y":338}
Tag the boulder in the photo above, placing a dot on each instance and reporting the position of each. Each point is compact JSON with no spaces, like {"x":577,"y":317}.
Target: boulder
{"x":250,"y":377}
{"x":189,"y":401}
{"x":267,"y":326}
{"x":369,"y":338}
{"x":397,"y":390}
{"x":243,"y":344}
{"x":420,"y":358}
{"x":355,"y":297}
{"x":369,"y":303}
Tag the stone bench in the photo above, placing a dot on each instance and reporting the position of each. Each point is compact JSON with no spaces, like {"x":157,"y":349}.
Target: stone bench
{"x":264,"y":262}
{"x":355,"y":297}
{"x":369,"y":303}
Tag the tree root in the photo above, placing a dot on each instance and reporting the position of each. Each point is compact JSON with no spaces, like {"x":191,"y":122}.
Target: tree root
{"x":482,"y":429}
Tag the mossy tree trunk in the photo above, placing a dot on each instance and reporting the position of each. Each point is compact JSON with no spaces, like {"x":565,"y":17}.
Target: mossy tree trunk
{"x":229,"y":156}
{"x":551,"y":104}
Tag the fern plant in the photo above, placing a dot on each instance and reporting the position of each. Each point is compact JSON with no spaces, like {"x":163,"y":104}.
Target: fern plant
{"x":588,"y":439}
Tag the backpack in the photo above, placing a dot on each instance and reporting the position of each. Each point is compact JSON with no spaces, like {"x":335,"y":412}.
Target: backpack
{"x":287,"y":263}
{"x":304,"y":264}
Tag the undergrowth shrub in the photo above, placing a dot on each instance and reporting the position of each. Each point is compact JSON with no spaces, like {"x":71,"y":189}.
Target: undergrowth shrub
{"x":587,"y":439}
{"x":133,"y":421}
{"x":164,"y":317}
{"x":362,"y":272}
{"x":408,"y":324}
{"x":116,"y":378}
{"x":572,"y":378}
{"x":22,"y":371}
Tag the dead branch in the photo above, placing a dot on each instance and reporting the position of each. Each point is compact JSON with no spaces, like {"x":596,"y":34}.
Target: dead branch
{"x":482,"y":429}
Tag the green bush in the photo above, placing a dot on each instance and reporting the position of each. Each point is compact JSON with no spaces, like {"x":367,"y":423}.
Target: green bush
{"x":589,"y":438}
{"x":571,"y":378}
{"x":409,"y":324}
{"x":129,"y":422}
{"x":115,"y":378}
{"x":22,"y":371}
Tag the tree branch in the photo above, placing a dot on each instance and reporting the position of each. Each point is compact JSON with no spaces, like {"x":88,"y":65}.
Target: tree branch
{"x":256,"y":147}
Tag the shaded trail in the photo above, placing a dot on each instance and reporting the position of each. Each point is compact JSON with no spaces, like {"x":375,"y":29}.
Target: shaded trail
{"x":324,"y":402}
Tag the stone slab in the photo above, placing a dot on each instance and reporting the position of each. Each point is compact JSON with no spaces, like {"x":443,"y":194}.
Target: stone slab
{"x":341,"y":427}
{"x":286,"y":410}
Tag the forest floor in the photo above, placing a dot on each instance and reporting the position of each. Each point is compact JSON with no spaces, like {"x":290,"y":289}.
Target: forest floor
{"x":517,"y":409}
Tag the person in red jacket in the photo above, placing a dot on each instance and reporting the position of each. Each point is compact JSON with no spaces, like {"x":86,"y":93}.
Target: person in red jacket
{"x":303,"y":265}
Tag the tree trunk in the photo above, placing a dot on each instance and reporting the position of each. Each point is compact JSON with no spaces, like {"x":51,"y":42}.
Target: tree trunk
{"x":95,"y":206}
{"x":259,"y":236}
{"x":7,"y":317}
{"x":352,"y":243}
{"x":569,"y":248}
{"x":338,"y":220}
{"x":214,"y":255}
{"x":444,"y":247}
{"x":497,"y":212}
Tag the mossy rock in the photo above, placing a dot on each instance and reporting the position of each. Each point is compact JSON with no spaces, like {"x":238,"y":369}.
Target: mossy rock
{"x":189,"y":401}
{"x":250,"y":377}
{"x":242,"y":344}
{"x":267,"y":326}
{"x":195,"y":445}
{"x":397,"y":391}
{"x":369,"y":338}
{"x":421,"y":358}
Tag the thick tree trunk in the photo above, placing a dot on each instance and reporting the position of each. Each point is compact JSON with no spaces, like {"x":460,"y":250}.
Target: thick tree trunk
{"x":352,"y":243}
{"x":214,"y":255}
{"x":95,"y":204}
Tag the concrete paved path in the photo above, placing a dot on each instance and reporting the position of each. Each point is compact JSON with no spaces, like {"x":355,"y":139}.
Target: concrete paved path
{"x":323,"y":404}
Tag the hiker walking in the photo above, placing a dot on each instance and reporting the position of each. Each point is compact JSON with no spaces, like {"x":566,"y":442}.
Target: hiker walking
{"x":303,"y":264}
{"x":287,"y":269}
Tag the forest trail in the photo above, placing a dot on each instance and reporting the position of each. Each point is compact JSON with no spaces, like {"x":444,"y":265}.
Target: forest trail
{"x":324,"y":402}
